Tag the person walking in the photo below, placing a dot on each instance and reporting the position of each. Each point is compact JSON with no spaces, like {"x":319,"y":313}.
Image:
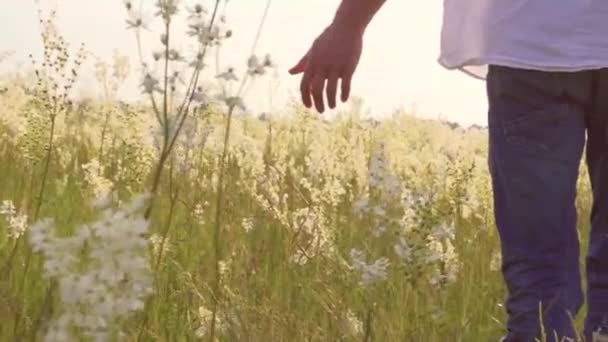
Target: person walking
{"x":545,"y":64}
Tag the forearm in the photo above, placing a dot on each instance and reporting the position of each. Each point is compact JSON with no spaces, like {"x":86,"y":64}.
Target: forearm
{"x":356,"y":14}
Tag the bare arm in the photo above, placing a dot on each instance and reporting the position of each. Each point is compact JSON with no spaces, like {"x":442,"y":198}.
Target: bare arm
{"x":335,"y":54}
{"x":356,"y":14}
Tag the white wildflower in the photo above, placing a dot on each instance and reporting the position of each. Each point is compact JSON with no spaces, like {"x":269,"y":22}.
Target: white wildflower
{"x":268,"y":62}
{"x":228,"y":75}
{"x":199,"y":213}
{"x":210,"y":36}
{"x":100,"y":186}
{"x":377,"y":168}
{"x":40,"y":238}
{"x":150,"y":84}
{"x":255,"y":67}
{"x":299,"y":258}
{"x":17,"y":226}
{"x":224,"y":267}
{"x":137,"y":21}
{"x":434,"y":251}
{"x":379,"y":231}
{"x":444,"y":259}
{"x":352,"y":324}
{"x":205,"y":316}
{"x":247,"y":224}
{"x":403,"y":250}
{"x":111,"y":284}
{"x":16,"y":223}
{"x":158,"y":244}
{"x":314,"y":237}
{"x":234,"y":102}
{"x":167,"y":8}
{"x":8,"y":208}
{"x":197,"y":10}
{"x":175,"y":56}
{"x":445,"y":232}
{"x":361,"y":205}
{"x":370,"y":273}
{"x":197,"y":62}
{"x":199,"y":96}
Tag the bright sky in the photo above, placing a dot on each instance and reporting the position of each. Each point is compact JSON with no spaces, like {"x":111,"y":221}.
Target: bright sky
{"x":398,"y":66}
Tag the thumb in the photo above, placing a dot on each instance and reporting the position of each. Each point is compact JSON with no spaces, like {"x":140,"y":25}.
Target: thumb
{"x":300,"y":67}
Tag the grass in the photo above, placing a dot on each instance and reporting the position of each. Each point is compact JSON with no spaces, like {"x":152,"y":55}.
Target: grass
{"x":265,"y":296}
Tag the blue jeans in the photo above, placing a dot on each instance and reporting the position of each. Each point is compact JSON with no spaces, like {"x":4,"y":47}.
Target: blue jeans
{"x":538,"y":125}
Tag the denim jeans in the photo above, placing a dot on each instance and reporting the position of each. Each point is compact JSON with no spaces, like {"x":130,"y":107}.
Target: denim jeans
{"x":539,"y":123}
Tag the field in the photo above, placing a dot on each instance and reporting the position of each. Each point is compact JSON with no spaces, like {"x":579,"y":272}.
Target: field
{"x":179,"y":220}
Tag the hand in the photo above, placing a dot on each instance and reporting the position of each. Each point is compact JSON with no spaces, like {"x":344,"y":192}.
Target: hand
{"x":333,"y":55}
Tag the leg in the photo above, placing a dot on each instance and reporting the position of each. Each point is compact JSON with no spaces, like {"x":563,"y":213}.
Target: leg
{"x":597,"y":162}
{"x":537,"y":135}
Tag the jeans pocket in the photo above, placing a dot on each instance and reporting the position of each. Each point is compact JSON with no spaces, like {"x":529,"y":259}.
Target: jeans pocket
{"x":538,"y":131}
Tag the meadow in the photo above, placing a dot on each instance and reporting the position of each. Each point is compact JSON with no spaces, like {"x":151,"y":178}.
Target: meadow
{"x":184,"y":217}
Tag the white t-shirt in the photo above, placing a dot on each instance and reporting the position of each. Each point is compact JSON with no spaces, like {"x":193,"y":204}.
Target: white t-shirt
{"x":548,"y":35}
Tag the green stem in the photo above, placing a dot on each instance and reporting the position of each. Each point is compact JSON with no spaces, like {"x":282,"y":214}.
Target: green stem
{"x":156,"y":181}
{"x":368,"y":326}
{"x":174,"y":195}
{"x":218,"y":224}
{"x":45,"y":173}
{"x":36,"y":213}
{"x":103,"y":137}
{"x":166,"y":80}
{"x":168,"y":143}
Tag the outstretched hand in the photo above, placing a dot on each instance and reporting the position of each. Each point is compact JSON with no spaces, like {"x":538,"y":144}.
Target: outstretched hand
{"x":333,"y":55}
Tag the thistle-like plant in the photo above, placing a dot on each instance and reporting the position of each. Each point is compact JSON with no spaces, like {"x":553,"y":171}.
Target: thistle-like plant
{"x":208,"y":30}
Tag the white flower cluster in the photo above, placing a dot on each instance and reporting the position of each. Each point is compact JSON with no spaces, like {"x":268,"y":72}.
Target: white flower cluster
{"x":404,"y":250}
{"x":17,"y":223}
{"x":199,"y":212}
{"x":266,"y":192}
{"x":255,"y":67}
{"x":102,"y":272}
{"x":370,"y":273}
{"x":205,"y":317}
{"x":93,"y":176}
{"x":247,"y":224}
{"x":351,"y":324}
{"x":198,"y":23}
{"x":159,"y":244}
{"x":379,"y":175}
{"x":384,"y":188}
{"x":314,"y":238}
{"x":442,"y":255}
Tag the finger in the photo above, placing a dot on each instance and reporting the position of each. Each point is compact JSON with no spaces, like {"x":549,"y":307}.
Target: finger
{"x":300,"y":66}
{"x":332,"y":86}
{"x":345,"y":86}
{"x":305,"y":87}
{"x":318,"y":86}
